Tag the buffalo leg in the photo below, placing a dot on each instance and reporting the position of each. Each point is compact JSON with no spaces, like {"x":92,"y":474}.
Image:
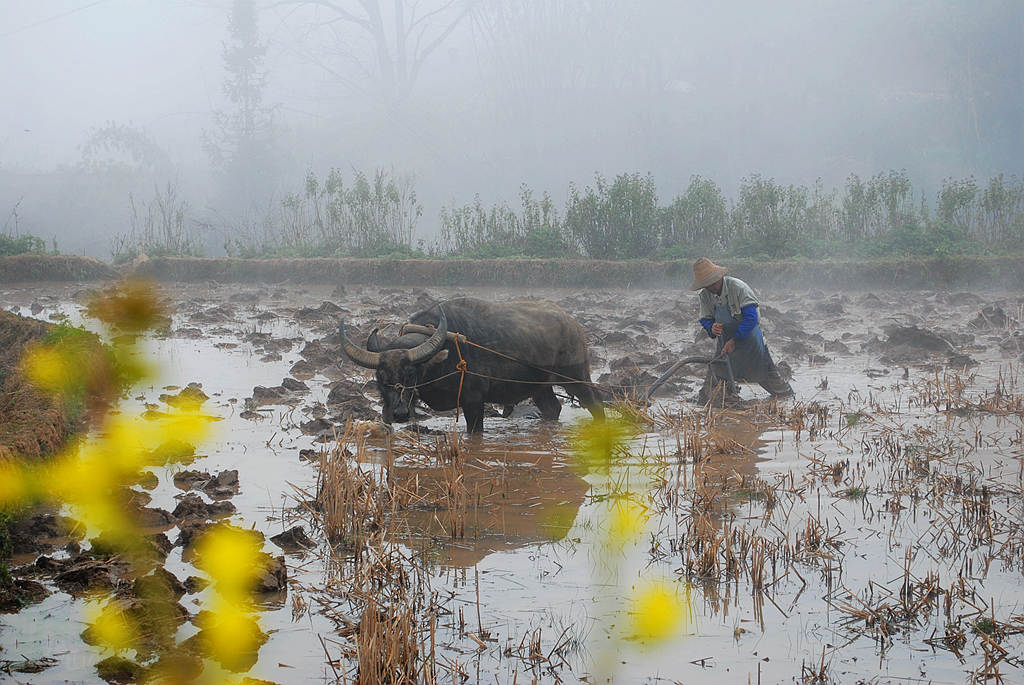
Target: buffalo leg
{"x":473,"y":410}
{"x":548,"y":404}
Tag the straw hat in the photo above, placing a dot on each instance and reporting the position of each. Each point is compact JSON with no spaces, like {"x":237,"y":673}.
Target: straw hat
{"x":706,"y":272}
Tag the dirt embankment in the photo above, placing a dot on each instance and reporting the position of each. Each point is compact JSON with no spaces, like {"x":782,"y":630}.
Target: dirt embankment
{"x":958,"y":272}
{"x":923,"y":273}
{"x":36,"y":267}
{"x":32,"y":424}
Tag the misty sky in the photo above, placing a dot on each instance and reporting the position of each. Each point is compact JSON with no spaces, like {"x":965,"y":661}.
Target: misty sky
{"x":543,"y":93}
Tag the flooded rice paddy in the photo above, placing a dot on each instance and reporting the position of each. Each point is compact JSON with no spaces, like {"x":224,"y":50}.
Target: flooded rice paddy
{"x":869,"y":530}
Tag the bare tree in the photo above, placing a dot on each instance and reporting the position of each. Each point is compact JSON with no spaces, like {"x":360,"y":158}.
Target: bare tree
{"x":574,"y":45}
{"x":388,"y":42}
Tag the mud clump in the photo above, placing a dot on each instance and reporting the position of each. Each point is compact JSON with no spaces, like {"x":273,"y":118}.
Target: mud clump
{"x":223,"y":485}
{"x":17,"y":593}
{"x":263,"y":395}
{"x":150,"y":552}
{"x":319,"y":428}
{"x":191,"y":397}
{"x":346,"y":400}
{"x":274,"y":577}
{"x":40,"y":530}
{"x":288,"y":393}
{"x":161,"y":583}
{"x":189,"y":479}
{"x":910,"y":343}
{"x":993,"y":317}
{"x":293,"y":540}
{"x":188,"y":532}
{"x":625,"y":383}
{"x":172,"y":451}
{"x":303,"y":370}
{"x":193,"y":507}
{"x":117,"y":670}
{"x":153,"y":518}
{"x":89,"y":575}
{"x":292,"y":385}
{"x":29,"y":665}
{"x":327,"y":311}
{"x":317,"y":354}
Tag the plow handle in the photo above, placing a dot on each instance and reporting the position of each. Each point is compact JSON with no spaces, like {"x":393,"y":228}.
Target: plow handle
{"x":669,"y":373}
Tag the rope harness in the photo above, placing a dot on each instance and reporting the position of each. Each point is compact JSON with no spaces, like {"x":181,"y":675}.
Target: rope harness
{"x":462,"y":369}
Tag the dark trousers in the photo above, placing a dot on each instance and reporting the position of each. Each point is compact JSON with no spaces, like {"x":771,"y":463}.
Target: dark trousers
{"x":766,"y":375}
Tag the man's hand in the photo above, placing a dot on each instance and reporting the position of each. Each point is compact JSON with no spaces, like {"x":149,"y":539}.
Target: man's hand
{"x":716,"y":328}
{"x":729,"y":346}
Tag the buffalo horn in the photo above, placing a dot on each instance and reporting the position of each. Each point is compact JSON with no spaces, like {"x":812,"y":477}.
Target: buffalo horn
{"x":365,"y":358}
{"x":429,"y":330}
{"x":373,"y":342}
{"x":431,"y":345}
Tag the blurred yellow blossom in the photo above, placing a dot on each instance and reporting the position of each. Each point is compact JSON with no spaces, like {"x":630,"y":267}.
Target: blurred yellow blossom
{"x":190,"y":425}
{"x":626,"y":521}
{"x":657,"y":612}
{"x":13,"y":484}
{"x":110,"y":627}
{"x":51,"y":369}
{"x":231,"y":636}
{"x":132,"y":306}
{"x":596,"y":443}
{"x":91,"y":475}
{"x":233,"y":559}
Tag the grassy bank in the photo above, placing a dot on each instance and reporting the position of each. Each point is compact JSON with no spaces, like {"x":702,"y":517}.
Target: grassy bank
{"x":946,"y":272}
{"x":514,"y":273}
{"x":45,"y":267}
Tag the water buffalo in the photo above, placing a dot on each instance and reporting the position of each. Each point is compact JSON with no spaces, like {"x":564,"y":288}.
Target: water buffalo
{"x":542,"y":347}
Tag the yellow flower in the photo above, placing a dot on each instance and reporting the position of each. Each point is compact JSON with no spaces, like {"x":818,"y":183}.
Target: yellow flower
{"x":132,"y":306}
{"x":233,"y":559}
{"x":13,"y":485}
{"x":626,"y":521}
{"x":657,"y":613}
{"x":111,"y":628}
{"x":596,"y":443}
{"x":232,"y":637}
{"x":51,"y":369}
{"x":189,"y":426}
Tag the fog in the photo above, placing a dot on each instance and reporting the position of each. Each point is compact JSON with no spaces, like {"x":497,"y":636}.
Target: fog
{"x":106,"y":103}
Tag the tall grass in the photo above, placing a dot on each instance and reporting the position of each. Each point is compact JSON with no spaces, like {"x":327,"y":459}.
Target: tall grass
{"x":626,"y":218}
{"x":371,"y":216}
{"x":882,"y":216}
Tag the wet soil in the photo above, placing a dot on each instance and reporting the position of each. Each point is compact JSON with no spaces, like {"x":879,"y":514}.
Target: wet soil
{"x":915,"y":369}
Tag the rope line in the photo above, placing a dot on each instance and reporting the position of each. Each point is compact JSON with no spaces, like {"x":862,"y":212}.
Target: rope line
{"x":462,"y":368}
{"x":457,"y":337}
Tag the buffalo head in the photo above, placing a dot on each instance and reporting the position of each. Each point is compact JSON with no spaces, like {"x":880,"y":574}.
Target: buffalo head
{"x":397,"y":367}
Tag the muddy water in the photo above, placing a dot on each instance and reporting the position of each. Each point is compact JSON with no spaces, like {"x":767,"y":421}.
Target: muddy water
{"x":531,"y":546}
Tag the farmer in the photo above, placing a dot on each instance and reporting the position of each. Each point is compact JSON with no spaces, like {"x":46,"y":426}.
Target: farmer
{"x":728,"y":311}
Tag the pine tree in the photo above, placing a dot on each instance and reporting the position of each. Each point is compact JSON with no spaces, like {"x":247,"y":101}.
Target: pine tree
{"x":241,"y":145}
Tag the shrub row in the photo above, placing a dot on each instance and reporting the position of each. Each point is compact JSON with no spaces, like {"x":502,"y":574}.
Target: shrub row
{"x":624,"y":219}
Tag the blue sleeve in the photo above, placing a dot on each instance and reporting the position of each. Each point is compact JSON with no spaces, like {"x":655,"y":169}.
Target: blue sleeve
{"x":706,"y":323}
{"x":748,"y":322}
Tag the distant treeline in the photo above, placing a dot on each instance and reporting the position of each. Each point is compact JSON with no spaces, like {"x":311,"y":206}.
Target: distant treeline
{"x":624,"y":219}
{"x":375,"y":216}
